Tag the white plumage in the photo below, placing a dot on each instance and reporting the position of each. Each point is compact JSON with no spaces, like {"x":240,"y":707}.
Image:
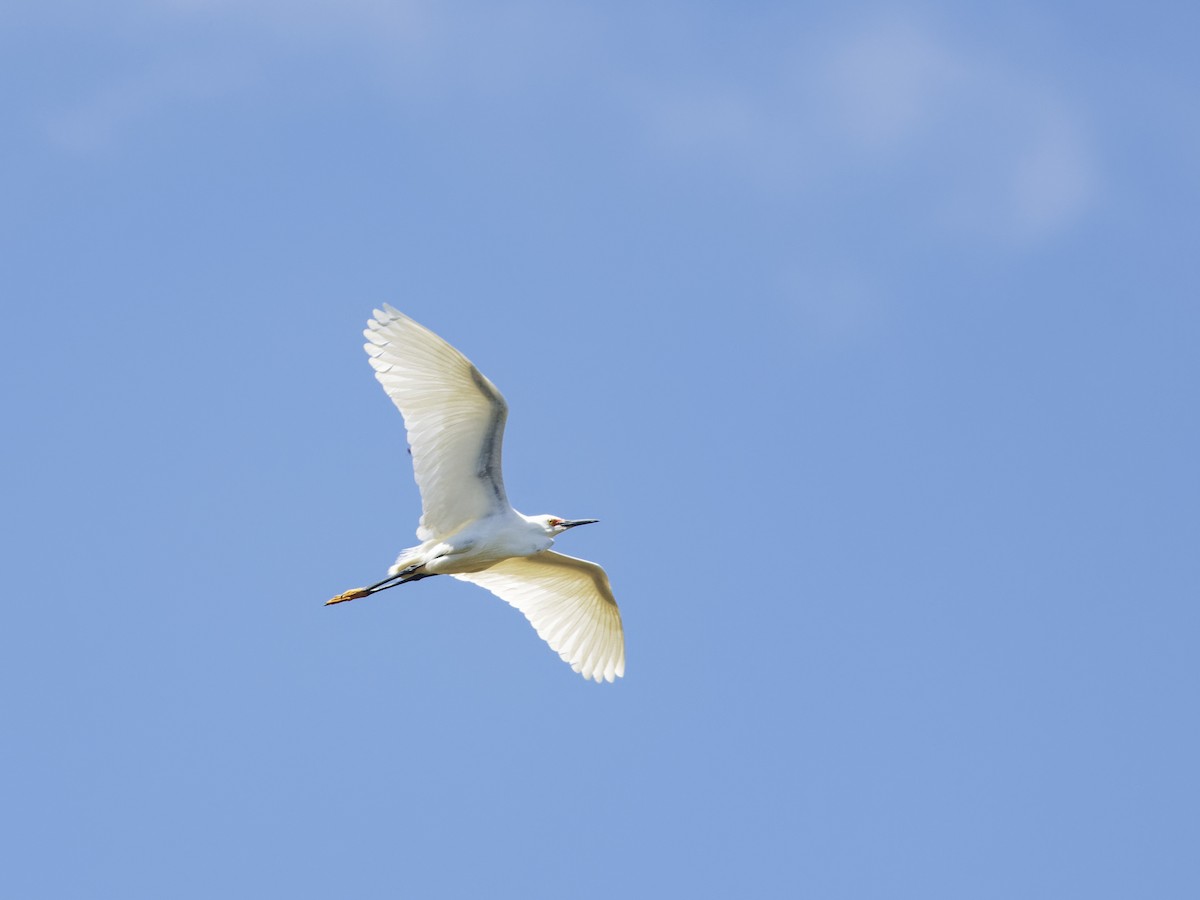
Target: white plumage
{"x":455,"y":420}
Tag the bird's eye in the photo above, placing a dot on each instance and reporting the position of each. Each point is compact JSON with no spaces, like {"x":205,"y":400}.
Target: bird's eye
{"x":556,"y":522}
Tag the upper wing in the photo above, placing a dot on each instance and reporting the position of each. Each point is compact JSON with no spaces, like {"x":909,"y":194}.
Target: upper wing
{"x":454,"y":416}
{"x":569,"y":603}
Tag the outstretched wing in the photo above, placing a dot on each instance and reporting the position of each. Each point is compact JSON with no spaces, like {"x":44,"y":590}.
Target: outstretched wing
{"x":569,"y":603}
{"x":455,"y":420}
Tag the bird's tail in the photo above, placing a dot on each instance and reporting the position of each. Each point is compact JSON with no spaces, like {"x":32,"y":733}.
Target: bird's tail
{"x":406,"y":560}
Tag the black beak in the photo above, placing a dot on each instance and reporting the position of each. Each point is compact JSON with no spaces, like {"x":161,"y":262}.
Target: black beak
{"x":571,"y":523}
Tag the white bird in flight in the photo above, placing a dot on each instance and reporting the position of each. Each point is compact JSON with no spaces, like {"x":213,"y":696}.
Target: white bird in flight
{"x":455,"y":420}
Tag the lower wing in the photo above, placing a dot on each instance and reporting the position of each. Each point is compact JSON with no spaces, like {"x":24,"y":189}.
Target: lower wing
{"x":569,"y":603}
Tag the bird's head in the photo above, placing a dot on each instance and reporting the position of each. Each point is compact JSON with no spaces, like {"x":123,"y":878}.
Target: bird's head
{"x":556,"y":525}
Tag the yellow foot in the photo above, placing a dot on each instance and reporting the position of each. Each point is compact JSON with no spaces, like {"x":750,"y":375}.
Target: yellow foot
{"x":352,"y":594}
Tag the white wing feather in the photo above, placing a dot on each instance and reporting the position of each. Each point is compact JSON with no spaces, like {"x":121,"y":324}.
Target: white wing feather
{"x":569,"y":603}
{"x":455,"y":419}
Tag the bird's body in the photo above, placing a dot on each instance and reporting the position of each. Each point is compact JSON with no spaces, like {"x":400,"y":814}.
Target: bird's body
{"x":479,"y":545}
{"x":455,"y":419}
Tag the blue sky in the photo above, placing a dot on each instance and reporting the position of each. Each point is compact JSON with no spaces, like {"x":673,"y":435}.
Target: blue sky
{"x":868,"y":332}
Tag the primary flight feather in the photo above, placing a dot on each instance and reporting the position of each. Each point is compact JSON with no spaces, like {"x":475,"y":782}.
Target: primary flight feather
{"x":455,"y":420}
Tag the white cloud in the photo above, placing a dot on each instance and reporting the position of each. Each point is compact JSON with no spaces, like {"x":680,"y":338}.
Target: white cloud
{"x":1054,"y":179}
{"x":971,"y":142}
{"x":974,"y":143}
{"x":96,"y":123}
{"x":829,"y":305}
{"x":192,"y":50}
{"x":888,"y":83}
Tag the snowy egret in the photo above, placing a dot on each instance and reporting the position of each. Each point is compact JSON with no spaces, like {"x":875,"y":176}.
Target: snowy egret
{"x":455,"y":420}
